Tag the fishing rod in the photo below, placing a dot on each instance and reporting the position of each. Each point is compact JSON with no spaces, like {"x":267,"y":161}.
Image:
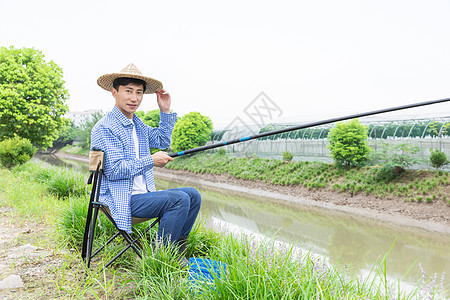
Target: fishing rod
{"x":313,"y":124}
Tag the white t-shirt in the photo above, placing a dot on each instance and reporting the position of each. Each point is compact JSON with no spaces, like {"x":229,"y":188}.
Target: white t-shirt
{"x":139,"y":185}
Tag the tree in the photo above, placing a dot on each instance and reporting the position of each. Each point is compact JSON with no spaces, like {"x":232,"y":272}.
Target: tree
{"x":67,"y":135}
{"x":192,"y":130}
{"x":84,"y":131}
{"x":348,"y":143}
{"x":151,"y":118}
{"x":32,"y":96}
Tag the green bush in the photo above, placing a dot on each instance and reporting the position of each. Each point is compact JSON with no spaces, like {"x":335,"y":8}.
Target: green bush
{"x":287,"y":156}
{"x":387,"y":173}
{"x":348,"y":143}
{"x":192,"y":130}
{"x":15,"y":151}
{"x":151,"y":118}
{"x":401,"y":156}
{"x":438,"y":159}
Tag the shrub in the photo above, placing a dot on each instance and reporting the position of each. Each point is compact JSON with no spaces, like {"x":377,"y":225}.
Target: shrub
{"x":438,"y":159}
{"x":15,"y":151}
{"x":151,"y":118}
{"x":287,"y":156}
{"x":401,"y":156}
{"x":67,"y":135}
{"x":348,"y":143}
{"x":192,"y":130}
{"x":386,"y":173}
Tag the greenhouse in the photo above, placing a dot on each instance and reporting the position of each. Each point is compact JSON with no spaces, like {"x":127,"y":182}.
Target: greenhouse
{"x":311,"y":143}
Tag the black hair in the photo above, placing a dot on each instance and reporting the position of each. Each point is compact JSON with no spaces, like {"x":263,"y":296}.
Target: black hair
{"x":126,"y":81}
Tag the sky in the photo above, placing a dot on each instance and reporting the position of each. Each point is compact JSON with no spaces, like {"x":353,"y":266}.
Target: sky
{"x":313,"y":60}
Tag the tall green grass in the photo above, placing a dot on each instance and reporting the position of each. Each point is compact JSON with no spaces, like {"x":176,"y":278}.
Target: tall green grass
{"x":59,"y":181}
{"x":265,"y":270}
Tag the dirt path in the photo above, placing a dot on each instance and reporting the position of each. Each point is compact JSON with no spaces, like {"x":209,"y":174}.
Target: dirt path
{"x":27,"y":261}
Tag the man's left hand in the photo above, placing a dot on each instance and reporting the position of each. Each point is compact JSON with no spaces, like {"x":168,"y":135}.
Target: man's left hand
{"x":164,"y":101}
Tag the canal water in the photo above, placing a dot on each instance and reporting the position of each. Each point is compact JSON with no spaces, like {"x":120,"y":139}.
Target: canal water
{"x":342,"y":238}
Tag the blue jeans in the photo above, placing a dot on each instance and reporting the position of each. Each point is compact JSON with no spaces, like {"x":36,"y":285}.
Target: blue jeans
{"x":178,"y":209}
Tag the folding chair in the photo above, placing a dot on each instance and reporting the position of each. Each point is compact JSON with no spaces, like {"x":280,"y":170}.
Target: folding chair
{"x":96,"y":160}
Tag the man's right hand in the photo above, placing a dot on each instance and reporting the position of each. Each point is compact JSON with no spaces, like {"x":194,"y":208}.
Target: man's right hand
{"x":161,"y":158}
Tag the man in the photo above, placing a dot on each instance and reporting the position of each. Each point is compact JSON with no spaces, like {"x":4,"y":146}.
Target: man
{"x":128,"y":186}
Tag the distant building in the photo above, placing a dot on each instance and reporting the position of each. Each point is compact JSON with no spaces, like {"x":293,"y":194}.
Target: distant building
{"x":79,"y":117}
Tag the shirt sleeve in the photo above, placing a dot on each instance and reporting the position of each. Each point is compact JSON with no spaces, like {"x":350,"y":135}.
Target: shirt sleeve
{"x":161,"y":136}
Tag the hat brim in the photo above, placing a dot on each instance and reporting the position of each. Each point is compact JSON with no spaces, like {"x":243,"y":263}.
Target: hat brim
{"x":151,"y":85}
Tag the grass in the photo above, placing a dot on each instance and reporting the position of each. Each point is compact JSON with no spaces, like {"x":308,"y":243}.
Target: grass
{"x":61,"y":182}
{"x":373,"y":180}
{"x":255,"y":269}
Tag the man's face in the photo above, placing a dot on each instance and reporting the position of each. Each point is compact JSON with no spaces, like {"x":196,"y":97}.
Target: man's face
{"x":128,"y":98}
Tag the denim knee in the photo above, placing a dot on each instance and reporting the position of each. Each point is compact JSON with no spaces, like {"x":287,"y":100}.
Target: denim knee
{"x":180,"y":200}
{"x":195,"y":196}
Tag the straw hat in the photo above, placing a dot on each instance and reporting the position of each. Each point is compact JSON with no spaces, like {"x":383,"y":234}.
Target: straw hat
{"x":130,"y":71}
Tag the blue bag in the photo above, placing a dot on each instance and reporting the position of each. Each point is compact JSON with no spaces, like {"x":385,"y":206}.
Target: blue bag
{"x":202,"y":272}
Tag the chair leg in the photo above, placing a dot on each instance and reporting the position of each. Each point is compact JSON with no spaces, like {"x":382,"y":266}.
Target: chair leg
{"x":90,"y":238}
{"x":131,"y":244}
{"x":106,"y":244}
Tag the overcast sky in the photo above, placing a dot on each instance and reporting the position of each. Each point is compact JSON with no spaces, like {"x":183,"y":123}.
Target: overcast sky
{"x":313,"y":59}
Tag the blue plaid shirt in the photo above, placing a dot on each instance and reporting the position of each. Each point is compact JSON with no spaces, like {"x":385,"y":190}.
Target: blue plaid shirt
{"x":113,"y":134}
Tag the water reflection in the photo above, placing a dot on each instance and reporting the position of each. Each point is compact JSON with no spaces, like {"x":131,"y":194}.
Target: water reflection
{"x":58,"y":161}
{"x":343,"y":238}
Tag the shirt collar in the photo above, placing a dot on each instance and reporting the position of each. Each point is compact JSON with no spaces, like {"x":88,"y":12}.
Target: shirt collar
{"x":121,"y":117}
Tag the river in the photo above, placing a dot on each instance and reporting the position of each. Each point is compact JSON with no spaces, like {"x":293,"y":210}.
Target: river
{"x":340,"y":237}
